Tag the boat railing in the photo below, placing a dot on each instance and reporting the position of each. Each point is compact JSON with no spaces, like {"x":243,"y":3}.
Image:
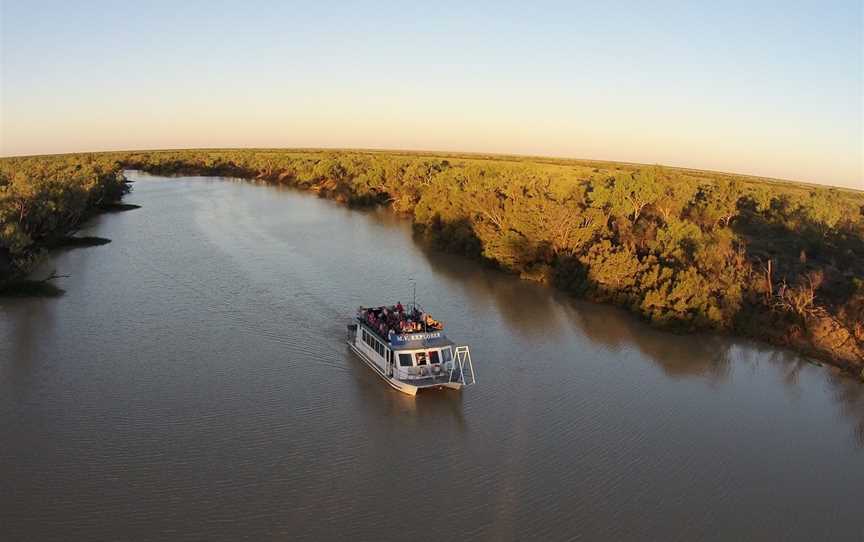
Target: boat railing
{"x":462,"y":370}
{"x":434,"y":372}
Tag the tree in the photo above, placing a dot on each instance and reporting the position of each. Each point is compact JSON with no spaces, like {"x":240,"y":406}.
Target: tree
{"x":824,"y":209}
{"x":717,"y":202}
{"x":636,"y":191}
{"x":676,"y":194}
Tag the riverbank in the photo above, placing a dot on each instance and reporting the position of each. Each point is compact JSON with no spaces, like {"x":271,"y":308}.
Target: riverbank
{"x":685,"y":250}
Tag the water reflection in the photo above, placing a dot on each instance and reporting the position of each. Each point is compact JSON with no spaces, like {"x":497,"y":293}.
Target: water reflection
{"x":533,"y":310}
{"x":850,"y":397}
{"x":426,"y":408}
{"x":525,"y":307}
{"x":23,"y":324}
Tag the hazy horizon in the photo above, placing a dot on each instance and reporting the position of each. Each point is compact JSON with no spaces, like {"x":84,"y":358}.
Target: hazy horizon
{"x":770,"y":90}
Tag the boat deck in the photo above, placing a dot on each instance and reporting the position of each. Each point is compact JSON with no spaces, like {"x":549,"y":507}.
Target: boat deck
{"x":429,"y":381}
{"x":432,"y":381}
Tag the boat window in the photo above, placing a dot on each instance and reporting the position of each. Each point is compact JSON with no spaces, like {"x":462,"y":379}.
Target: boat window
{"x":405,"y":360}
{"x":433,"y":357}
{"x":421,"y":358}
{"x":446,"y":355}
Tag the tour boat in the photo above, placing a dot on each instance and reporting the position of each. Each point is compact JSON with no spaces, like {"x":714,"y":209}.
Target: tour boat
{"x":408,"y":349}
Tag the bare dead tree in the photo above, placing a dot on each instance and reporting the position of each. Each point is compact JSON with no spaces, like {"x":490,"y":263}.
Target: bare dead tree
{"x":801,"y":299}
{"x":769,"y":281}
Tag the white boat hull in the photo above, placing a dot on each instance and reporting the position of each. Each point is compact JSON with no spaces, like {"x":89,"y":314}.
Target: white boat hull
{"x":399,"y":385}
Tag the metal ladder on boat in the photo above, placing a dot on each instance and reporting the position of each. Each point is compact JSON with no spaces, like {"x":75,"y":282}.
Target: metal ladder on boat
{"x":462,"y":370}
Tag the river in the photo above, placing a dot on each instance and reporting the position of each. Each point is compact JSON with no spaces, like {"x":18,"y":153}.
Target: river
{"x":194,"y":384}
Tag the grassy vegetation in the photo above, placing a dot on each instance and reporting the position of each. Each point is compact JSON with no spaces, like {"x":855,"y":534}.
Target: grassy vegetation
{"x":685,"y":249}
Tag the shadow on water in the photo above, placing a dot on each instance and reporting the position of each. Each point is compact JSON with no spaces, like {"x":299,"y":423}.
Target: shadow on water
{"x":118,"y":207}
{"x":31,"y":288}
{"x":533,"y":309}
{"x":28,"y":287}
{"x":526,"y":307}
{"x":82,"y":241}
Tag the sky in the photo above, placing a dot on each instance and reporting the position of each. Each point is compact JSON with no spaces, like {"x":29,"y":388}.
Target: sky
{"x":764,"y":88}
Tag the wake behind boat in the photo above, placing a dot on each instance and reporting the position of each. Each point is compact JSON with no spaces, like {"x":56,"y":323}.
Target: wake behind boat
{"x":409,"y":350}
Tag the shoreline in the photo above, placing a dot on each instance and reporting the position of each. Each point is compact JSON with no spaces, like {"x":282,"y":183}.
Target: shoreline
{"x":797,"y":343}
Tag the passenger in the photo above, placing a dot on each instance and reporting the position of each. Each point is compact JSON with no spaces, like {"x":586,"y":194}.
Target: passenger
{"x":399,"y":307}
{"x":433,"y":323}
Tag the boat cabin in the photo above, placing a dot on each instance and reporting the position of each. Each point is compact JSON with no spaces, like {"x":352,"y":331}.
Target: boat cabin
{"x":417,"y":355}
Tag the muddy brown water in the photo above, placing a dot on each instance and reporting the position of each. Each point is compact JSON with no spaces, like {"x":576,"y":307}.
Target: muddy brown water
{"x":194,"y":384}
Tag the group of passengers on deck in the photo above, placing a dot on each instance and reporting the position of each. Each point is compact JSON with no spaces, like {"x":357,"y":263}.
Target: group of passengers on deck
{"x":394,"y":319}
